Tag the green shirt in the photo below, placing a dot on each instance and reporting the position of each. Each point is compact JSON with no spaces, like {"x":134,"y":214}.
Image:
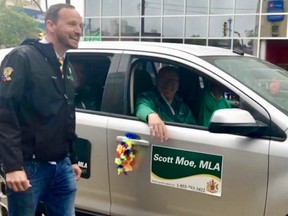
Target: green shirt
{"x":153,"y":102}
{"x":208,"y":105}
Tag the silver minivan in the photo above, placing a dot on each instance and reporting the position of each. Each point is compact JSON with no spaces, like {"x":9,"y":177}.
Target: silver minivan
{"x":238,"y":165}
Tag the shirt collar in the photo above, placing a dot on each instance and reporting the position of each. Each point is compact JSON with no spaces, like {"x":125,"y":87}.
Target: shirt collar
{"x":45,"y":41}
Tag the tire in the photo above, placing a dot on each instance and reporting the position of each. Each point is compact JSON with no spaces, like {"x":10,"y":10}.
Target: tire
{"x":41,"y":210}
{"x":3,"y":197}
{"x":3,"y":209}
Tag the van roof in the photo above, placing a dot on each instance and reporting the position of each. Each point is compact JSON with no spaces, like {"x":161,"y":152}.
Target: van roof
{"x":197,"y":50}
{"x":4,"y":52}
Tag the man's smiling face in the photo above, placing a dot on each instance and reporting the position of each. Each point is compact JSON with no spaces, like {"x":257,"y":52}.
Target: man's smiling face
{"x":68,"y":28}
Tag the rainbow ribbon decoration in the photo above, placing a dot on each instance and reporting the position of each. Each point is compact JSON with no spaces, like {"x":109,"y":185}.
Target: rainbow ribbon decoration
{"x":125,"y":154}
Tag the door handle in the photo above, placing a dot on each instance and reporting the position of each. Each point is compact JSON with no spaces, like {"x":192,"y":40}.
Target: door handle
{"x":138,"y":142}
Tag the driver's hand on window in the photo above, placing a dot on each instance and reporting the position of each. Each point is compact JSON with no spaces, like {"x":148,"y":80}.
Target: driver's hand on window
{"x":158,"y":129}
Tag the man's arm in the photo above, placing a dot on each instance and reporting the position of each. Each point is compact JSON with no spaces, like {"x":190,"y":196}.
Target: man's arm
{"x":147,"y":112}
{"x":11,"y":92}
{"x":144,"y":106}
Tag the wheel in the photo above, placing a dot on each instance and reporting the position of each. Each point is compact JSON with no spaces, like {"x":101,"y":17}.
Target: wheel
{"x":3,"y":209}
{"x":41,"y":210}
{"x":3,"y":197}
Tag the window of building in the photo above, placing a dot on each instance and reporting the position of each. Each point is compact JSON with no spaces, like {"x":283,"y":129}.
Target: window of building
{"x":130,"y":8}
{"x":110,"y":8}
{"x":221,"y":7}
{"x":224,"y":43}
{"x":199,"y":7}
{"x":173,"y":7}
{"x":196,"y":26}
{"x":92,"y":8}
{"x":130,"y":26}
{"x":92,"y":27}
{"x":195,"y":41}
{"x":152,"y":7}
{"x":150,"y":39}
{"x":248,"y":46}
{"x":173,"y":26}
{"x":110,"y":27}
{"x":172,"y":40}
{"x":152,"y":27}
{"x":216,"y":26}
{"x":247,"y":6}
{"x":250,"y":29}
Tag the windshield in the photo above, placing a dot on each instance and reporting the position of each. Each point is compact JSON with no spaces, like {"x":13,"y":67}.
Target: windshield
{"x":268,"y":80}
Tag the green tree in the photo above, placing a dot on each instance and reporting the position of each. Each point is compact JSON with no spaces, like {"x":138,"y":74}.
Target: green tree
{"x":15,"y":26}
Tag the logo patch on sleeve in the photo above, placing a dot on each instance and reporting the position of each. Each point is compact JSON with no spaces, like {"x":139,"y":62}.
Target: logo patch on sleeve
{"x":6,"y":76}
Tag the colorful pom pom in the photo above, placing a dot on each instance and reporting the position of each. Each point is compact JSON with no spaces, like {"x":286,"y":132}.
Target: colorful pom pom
{"x":125,"y":154}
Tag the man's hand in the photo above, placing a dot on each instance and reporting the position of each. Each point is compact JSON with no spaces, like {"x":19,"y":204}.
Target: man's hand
{"x":158,"y":129}
{"x":17,"y":181}
{"x":77,"y":171}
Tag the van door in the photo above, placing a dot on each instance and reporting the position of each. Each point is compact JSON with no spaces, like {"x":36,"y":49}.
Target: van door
{"x":93,"y":77}
{"x":194,"y":172}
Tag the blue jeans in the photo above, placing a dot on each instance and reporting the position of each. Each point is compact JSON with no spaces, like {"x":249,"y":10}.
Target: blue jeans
{"x":54,"y":184}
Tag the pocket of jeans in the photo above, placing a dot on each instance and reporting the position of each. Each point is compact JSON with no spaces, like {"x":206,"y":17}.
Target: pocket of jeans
{"x":30,"y":168}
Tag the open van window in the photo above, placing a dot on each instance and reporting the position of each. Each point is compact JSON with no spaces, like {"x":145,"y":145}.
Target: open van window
{"x":91,"y":72}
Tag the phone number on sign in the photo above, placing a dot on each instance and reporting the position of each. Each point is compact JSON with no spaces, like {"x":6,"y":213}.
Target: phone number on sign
{"x":190,"y":187}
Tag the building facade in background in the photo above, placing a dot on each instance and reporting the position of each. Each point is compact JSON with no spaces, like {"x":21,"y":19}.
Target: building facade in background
{"x":258,"y":27}
{"x":31,"y":8}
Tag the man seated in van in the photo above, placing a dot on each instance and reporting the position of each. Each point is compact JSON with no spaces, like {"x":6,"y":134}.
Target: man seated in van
{"x":163,"y":104}
{"x":87,"y":94}
{"x":212,"y":100}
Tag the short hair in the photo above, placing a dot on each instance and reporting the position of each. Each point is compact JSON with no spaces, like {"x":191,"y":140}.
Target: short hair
{"x":53,"y":11}
{"x":166,"y":69}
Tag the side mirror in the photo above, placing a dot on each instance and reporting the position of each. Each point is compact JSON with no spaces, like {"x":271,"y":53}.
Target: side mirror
{"x":235,"y":121}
